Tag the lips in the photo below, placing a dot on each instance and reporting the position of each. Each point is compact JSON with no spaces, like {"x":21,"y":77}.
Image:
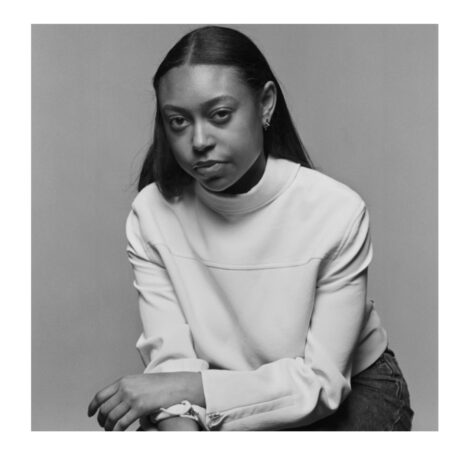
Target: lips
{"x":205,"y":164}
{"x":209,"y":169}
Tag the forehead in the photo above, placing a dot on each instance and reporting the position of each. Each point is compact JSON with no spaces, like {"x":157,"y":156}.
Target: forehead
{"x":193,"y":84}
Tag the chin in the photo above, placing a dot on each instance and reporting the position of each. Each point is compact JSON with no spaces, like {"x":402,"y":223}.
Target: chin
{"x":217,"y":184}
{"x":215,"y":188}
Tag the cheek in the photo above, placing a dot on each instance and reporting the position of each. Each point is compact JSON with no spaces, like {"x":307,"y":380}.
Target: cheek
{"x":179,"y":146}
{"x":246,"y":132}
{"x":247,"y":137}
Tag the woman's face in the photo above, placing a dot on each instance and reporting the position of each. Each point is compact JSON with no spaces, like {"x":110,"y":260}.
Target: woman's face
{"x":210,"y":115}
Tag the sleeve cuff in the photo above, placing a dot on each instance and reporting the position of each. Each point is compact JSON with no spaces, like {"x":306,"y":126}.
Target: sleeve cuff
{"x":184,"y":410}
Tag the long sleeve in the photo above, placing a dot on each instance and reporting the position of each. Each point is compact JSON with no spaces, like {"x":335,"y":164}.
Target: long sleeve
{"x":166,"y":342}
{"x":292,"y":392}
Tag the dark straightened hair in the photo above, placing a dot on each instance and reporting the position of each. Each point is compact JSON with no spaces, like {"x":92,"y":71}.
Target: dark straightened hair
{"x":216,"y":45}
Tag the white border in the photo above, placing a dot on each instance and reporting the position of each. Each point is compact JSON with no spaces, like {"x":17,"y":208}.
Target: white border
{"x":455,"y":230}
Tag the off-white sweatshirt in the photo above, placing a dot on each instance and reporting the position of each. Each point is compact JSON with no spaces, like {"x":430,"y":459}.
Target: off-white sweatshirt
{"x":264,"y":293}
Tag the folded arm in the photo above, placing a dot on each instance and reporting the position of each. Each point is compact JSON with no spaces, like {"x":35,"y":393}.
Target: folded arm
{"x":289,"y":392}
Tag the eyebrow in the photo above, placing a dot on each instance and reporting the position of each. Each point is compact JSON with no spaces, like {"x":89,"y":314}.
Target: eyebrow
{"x":206,"y":105}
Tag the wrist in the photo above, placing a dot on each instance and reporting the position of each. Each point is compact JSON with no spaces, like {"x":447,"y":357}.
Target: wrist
{"x":177,"y":423}
{"x":186,"y":385}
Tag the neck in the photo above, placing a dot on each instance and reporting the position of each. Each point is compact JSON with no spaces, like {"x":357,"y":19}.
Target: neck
{"x":276,"y":177}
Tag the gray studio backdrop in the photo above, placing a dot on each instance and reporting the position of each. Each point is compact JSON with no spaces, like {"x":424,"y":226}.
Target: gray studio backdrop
{"x":364,"y":98}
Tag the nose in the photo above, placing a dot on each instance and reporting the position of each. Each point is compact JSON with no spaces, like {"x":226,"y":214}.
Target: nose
{"x":201,"y":140}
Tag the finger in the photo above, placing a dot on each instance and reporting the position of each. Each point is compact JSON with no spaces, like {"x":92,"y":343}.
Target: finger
{"x":118,"y":412}
{"x":107,"y":407}
{"x":101,"y":397}
{"x":123,"y":423}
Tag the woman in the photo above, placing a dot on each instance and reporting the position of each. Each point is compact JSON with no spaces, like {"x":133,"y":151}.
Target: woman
{"x":251,"y":266}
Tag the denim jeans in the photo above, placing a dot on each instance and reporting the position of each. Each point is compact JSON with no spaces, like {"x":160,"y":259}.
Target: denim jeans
{"x":379,"y":401}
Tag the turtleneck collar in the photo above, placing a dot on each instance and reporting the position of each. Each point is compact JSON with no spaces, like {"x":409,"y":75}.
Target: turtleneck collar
{"x":278,"y":175}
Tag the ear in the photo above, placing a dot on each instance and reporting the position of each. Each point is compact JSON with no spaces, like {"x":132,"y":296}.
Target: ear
{"x":268,"y":101}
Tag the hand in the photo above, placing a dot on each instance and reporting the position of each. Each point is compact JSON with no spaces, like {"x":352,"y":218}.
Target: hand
{"x":132,"y":397}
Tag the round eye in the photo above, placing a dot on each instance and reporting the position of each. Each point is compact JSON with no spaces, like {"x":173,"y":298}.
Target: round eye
{"x":221,"y":116}
{"x":178,"y":123}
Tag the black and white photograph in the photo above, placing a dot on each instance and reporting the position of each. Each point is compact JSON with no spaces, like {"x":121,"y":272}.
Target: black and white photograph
{"x":234,"y":227}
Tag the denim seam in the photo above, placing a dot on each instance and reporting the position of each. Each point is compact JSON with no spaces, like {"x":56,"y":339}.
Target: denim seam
{"x":400,"y":384}
{"x":398,"y":381}
{"x":397,"y":419}
{"x":407,"y":409}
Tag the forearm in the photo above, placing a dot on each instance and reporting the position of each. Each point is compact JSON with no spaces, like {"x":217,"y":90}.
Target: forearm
{"x":290,"y":392}
{"x":178,"y":423}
